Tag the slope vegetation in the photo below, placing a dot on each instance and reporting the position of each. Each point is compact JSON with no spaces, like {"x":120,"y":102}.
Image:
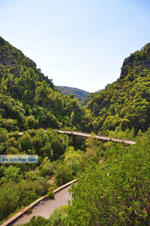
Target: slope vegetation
{"x":78,"y":93}
{"x":126,"y":102}
{"x":28,"y":99}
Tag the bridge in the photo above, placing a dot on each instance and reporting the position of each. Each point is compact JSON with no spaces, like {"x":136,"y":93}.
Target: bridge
{"x":82,"y":134}
{"x":105,"y":138}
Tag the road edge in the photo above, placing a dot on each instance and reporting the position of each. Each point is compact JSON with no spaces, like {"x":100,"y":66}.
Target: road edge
{"x":15,"y":217}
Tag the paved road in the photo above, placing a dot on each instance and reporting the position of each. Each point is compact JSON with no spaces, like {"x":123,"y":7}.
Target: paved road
{"x":46,"y":208}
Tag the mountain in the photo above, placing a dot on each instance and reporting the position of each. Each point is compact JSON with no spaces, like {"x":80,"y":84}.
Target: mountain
{"x":28,"y":98}
{"x":30,"y":102}
{"x":78,"y":93}
{"x":125,"y":103}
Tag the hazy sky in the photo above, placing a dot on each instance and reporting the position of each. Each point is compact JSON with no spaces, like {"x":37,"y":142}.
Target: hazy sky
{"x":77,"y":43}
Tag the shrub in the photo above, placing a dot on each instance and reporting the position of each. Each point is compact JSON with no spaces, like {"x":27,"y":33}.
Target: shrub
{"x":115,"y":194}
{"x":64,"y":174}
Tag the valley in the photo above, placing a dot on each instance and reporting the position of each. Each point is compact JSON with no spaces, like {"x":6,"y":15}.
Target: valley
{"x":89,"y":142}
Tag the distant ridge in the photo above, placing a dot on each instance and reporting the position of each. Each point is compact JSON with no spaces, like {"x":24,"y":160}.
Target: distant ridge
{"x":78,"y":93}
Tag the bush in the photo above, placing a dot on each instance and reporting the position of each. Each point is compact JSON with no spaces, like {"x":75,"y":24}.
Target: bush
{"x":26,"y":142}
{"x":58,"y":217}
{"x":37,"y":221}
{"x":50,"y":194}
{"x":3,"y":135}
{"x":117,"y":193}
{"x":47,"y":168}
{"x":31,"y":122}
{"x":64,"y":174}
{"x":14,"y":195}
{"x":11,"y":173}
{"x":29,"y":211}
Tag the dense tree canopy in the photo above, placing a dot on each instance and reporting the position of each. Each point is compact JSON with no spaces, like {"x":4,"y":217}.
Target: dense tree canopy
{"x":28,"y":99}
{"x":115,"y":192}
{"x":125,"y":103}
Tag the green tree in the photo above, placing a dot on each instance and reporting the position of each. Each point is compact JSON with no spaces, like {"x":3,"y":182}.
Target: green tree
{"x":63,"y":174}
{"x":26,"y":141}
{"x":3,"y":135}
{"x":12,"y":173}
{"x":116,"y":193}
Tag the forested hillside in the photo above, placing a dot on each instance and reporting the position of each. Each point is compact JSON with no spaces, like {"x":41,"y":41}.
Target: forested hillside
{"x":30,"y":102}
{"x":78,"y":93}
{"x":126,"y":102}
{"x":28,"y":99}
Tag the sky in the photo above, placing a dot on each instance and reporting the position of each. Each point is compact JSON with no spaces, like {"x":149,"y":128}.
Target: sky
{"x":77,"y":43}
